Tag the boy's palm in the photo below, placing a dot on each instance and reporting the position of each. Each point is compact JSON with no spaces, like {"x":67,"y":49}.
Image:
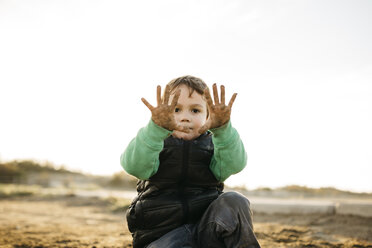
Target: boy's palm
{"x":219,"y":113}
{"x":163,"y":114}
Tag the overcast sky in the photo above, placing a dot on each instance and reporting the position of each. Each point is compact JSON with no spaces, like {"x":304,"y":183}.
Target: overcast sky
{"x":72,"y":74}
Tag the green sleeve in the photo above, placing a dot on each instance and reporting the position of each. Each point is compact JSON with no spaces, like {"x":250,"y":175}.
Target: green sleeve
{"x":141,"y":157}
{"x":229,"y":156}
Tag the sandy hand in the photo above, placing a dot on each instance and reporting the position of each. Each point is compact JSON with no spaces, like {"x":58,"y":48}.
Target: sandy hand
{"x":219,"y":113}
{"x":163,"y":114}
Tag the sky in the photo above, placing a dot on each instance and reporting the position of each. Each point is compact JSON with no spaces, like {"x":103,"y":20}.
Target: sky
{"x":72,"y":74}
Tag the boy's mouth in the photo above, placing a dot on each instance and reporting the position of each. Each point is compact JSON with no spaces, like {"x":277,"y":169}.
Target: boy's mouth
{"x":188,"y":128}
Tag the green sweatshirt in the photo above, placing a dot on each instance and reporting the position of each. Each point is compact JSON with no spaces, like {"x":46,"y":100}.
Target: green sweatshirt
{"x":141,"y":157}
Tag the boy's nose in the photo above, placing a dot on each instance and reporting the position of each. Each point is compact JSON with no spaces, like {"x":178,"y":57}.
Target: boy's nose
{"x":185,"y":118}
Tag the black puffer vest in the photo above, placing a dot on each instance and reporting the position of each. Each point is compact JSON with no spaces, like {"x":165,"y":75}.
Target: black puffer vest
{"x":178,"y":193}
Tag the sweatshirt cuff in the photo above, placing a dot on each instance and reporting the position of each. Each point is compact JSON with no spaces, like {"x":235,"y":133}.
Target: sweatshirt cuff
{"x":223,"y":134}
{"x":154,"y":134}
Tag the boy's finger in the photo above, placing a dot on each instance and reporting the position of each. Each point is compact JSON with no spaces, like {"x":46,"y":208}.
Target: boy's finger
{"x":175,"y":99}
{"x":204,"y":128}
{"x":215,"y":94}
{"x":166,"y":95}
{"x":147,"y":103}
{"x":222,"y":94}
{"x":208,"y":98}
{"x":232,"y":99}
{"x":158,"y":94}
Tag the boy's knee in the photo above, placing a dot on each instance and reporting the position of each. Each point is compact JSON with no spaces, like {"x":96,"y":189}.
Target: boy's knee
{"x":234,"y":199}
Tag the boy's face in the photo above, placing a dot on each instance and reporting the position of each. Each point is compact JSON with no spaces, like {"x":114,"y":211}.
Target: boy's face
{"x":190,"y":112}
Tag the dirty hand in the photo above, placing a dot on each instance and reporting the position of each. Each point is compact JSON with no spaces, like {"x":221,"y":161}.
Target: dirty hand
{"x":219,"y":113}
{"x":163,"y":114}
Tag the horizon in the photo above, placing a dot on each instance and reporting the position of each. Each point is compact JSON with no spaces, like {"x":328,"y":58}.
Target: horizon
{"x":64,"y":167}
{"x":243,"y":187}
{"x":73,"y":73}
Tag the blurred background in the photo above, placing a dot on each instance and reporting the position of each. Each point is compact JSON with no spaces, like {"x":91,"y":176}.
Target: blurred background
{"x":72,"y":74}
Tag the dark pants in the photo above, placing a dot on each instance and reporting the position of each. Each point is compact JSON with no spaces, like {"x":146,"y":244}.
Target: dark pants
{"x":226,"y":223}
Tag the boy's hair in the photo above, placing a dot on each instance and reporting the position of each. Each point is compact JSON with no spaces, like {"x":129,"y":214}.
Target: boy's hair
{"x":193,"y":83}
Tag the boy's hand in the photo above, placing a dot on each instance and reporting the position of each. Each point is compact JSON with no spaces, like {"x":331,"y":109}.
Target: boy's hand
{"x":163,"y":114}
{"x":219,"y":113}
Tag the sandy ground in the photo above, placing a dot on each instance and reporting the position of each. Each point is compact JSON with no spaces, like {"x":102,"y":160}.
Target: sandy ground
{"x":89,"y":222}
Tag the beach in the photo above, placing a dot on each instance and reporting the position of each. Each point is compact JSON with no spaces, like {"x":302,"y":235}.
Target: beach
{"x":76,"y":221}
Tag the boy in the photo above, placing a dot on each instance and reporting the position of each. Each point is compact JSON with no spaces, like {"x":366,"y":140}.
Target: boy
{"x":181,"y":166}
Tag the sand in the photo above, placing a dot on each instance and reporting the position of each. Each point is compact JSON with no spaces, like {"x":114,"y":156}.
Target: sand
{"x":65,"y":221}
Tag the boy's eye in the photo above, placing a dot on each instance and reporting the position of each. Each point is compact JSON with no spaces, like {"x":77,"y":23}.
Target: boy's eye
{"x":195,"y":110}
{"x":176,"y":110}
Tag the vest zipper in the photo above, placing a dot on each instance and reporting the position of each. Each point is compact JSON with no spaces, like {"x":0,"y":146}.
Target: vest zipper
{"x":183,"y":179}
